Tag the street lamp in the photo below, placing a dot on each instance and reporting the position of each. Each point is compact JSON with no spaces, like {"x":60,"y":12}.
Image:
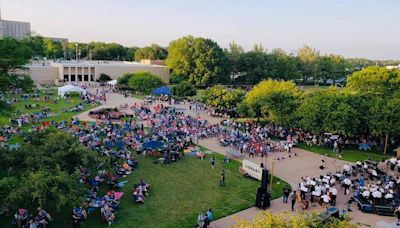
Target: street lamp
{"x":76,"y":52}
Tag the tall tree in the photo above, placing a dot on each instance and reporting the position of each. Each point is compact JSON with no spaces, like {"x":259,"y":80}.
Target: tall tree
{"x":282,"y":66}
{"x":308,"y":57}
{"x":329,"y":111}
{"x":14,"y":55}
{"x":253,"y":67}
{"x":52,"y":49}
{"x":233,"y":54}
{"x":275,"y":100}
{"x":152,"y":52}
{"x":376,"y":81}
{"x":201,"y":59}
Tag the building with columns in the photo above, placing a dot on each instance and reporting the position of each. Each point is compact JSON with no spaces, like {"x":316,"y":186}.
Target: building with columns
{"x":63,"y":72}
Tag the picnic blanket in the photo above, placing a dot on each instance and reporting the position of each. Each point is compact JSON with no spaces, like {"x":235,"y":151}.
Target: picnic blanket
{"x":122,"y":184}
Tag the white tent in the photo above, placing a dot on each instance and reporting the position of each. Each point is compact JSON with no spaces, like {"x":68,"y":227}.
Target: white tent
{"x":70,"y":88}
{"x":112,"y":82}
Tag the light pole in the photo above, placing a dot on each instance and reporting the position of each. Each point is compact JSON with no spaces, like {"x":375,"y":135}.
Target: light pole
{"x":76,"y":52}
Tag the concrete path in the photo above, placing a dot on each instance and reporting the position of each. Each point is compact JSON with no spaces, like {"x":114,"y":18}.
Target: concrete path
{"x":290,"y":169}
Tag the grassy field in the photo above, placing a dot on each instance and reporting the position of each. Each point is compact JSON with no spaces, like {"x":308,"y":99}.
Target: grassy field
{"x":55,"y":109}
{"x":347,"y":155}
{"x":179,"y":191}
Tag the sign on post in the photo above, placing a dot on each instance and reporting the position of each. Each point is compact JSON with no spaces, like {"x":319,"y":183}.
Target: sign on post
{"x":252,"y":169}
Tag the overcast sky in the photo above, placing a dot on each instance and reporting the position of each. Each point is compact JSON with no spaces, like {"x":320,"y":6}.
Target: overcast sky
{"x":352,"y":28}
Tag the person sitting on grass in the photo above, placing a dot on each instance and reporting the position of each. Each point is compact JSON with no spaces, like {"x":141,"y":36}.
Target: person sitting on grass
{"x":21,"y":217}
{"x":138,"y":196}
{"x":108,"y":214}
{"x":78,"y":215}
{"x":44,"y":216}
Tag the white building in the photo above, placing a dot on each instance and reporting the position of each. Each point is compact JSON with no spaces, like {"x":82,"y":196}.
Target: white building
{"x":62,"y":72}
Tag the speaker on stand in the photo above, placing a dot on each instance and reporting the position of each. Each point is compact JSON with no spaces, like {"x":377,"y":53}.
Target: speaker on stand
{"x":263,"y":198}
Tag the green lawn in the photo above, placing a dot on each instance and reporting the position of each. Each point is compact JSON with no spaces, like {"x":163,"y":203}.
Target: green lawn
{"x":347,"y":155}
{"x":55,"y":109}
{"x":179,"y":191}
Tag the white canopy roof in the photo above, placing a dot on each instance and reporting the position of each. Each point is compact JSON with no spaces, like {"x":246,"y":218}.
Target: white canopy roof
{"x":70,"y":88}
{"x":112,"y":82}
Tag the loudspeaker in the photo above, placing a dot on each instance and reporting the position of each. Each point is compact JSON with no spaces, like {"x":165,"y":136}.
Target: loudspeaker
{"x":263,"y":199}
{"x":264,"y":179}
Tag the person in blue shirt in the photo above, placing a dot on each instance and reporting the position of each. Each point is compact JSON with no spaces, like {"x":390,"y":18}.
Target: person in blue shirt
{"x":209,"y":215}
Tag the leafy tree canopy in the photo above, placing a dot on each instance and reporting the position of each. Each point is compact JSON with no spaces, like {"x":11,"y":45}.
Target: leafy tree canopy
{"x":201,"y":59}
{"x":275,"y":100}
{"x":152,"y":52}
{"x":144,"y":82}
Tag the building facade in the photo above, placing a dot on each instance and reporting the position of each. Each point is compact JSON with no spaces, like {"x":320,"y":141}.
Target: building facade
{"x":63,"y":72}
{"x":14,"y":29}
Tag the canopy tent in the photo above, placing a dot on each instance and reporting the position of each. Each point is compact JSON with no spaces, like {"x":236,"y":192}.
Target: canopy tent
{"x":164,"y":90}
{"x":69,"y":89}
{"x":112,"y":82}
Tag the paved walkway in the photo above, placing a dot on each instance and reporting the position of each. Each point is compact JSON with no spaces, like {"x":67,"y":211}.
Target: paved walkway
{"x":290,"y":169}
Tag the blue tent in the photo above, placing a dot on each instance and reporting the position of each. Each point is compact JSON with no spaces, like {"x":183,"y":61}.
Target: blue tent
{"x":162,"y":90}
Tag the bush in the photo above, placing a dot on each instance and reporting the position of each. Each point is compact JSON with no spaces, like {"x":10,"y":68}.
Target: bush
{"x":184,"y":89}
{"x":144,"y":82}
{"x":124,"y":79}
{"x":104,"y":78}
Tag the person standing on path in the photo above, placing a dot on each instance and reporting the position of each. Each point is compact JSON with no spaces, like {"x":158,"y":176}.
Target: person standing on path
{"x":212,"y":162}
{"x":222,"y":179}
{"x":286,"y":192}
{"x":293,"y":197}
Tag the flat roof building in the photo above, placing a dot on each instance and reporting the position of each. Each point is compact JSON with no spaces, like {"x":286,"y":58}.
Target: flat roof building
{"x":62,"y":72}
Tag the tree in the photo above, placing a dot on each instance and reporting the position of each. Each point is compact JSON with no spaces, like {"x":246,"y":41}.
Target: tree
{"x":375,"y":81}
{"x":221,"y":97}
{"x":308,"y":62}
{"x":184,"y":89}
{"x":14,"y":55}
{"x":175,"y":78}
{"x":52,"y":49}
{"x":130,"y":53}
{"x":152,"y":52}
{"x":275,"y":100}
{"x":104,"y":78}
{"x":106,"y":51}
{"x":282,"y":66}
{"x":144,"y":82}
{"x":332,"y":67}
{"x":330,"y":111}
{"x":253,"y":67}
{"x":285,"y":220}
{"x":233,"y":55}
{"x":384,"y":117}
{"x":36,"y":44}
{"x":201,"y":59}
{"x":124,"y":79}
{"x":44,"y":172}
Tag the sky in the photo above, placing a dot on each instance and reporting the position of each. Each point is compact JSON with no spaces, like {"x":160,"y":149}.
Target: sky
{"x":352,"y":28}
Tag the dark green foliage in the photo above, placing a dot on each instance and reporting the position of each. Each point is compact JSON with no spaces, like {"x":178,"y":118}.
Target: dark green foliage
{"x":144,"y":82}
{"x":152,"y":52}
{"x":43,"y":171}
{"x":184,"y":89}
{"x":104,"y":78}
